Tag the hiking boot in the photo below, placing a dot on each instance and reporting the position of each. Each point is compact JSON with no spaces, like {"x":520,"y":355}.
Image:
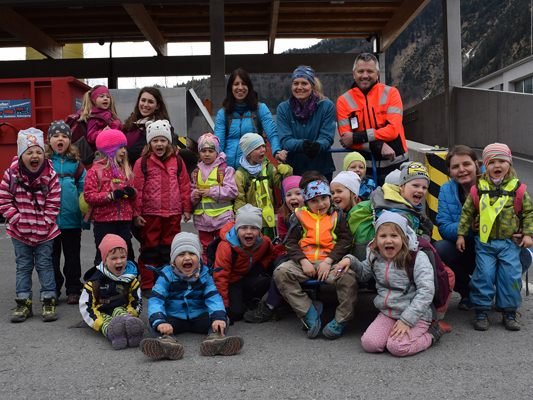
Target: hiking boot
{"x":333,"y":330}
{"x":162,"y":347}
{"x":436,"y":332}
{"x":465,"y":304}
{"x":510,"y":322}
{"x":116,"y":332}
{"x":22,"y":311}
{"x":481,"y":323}
{"x":312,"y":320}
{"x":262,"y":313}
{"x":49,"y":309}
{"x":134,"y":330}
{"x":73,"y":299}
{"x":216,"y":344}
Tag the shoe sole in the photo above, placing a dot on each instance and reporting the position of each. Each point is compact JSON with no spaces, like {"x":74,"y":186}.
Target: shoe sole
{"x":328,"y":334}
{"x":481,"y":328}
{"x":49,"y":318}
{"x":157,"y":350}
{"x":224,"y":346}
{"x":315,"y":330}
{"x":20,"y":318}
{"x":134,"y":331}
{"x":117,"y":330}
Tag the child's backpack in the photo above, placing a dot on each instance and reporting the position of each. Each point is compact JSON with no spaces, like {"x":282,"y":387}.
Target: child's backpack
{"x":517,"y":193}
{"x":144,"y":162}
{"x":79,"y":138}
{"x":441,"y":279}
{"x":211,"y":253}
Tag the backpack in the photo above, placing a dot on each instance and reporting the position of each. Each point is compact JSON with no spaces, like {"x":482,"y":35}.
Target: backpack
{"x":440,"y":275}
{"x":144,"y":162}
{"x":211,"y":253}
{"x":221,"y":173}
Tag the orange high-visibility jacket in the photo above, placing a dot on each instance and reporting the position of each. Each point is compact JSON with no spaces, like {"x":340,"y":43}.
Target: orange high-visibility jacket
{"x":319,"y":234}
{"x":379,"y":113}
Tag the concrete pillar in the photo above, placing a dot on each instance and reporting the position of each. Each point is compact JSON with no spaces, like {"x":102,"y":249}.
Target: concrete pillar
{"x":453,"y":64}
{"x":382,"y":68}
{"x":218,"y":64}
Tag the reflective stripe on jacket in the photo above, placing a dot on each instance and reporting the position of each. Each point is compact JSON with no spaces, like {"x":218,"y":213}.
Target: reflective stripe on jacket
{"x":208,"y":205}
{"x":319,"y":233}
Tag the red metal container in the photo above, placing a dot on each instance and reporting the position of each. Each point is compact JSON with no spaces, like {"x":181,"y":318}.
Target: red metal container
{"x":34,"y":102}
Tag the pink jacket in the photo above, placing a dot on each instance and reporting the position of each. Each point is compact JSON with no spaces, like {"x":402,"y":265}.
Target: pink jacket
{"x":30,"y":209}
{"x":96,"y":124}
{"x":162,"y":192}
{"x":99,"y":182}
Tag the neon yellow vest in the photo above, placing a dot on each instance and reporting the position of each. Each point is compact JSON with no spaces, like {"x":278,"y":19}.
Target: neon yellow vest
{"x":208,"y":205}
{"x":489,"y":212}
{"x":262,"y":198}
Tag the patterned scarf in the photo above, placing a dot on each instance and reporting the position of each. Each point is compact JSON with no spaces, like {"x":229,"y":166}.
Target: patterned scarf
{"x":304,"y":111}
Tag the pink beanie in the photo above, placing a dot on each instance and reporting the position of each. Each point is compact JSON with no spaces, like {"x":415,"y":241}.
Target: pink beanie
{"x":290,"y":182}
{"x":97,"y":91}
{"x":208,"y":140}
{"x":110,"y":242}
{"x":497,"y":151}
{"x":109,"y":141}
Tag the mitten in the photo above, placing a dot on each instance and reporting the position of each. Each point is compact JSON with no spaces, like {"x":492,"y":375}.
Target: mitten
{"x":129,"y":191}
{"x":118,"y":194}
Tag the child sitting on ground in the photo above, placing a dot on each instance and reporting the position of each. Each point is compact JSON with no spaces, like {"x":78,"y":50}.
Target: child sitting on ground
{"x":256,"y":179}
{"x":403,"y":326}
{"x":355,"y":162}
{"x":111,"y":302}
{"x":185,"y":299}
{"x":502,"y":231}
{"x":318,"y":237}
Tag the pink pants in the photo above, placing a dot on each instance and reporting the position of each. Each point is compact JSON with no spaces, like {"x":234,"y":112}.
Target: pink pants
{"x":377,"y":337}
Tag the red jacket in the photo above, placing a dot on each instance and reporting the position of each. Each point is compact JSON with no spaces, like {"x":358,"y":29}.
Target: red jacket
{"x":99,"y":182}
{"x":162,"y":192}
{"x":225,"y":271}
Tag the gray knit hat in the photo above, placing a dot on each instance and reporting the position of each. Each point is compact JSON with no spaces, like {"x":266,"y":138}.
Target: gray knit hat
{"x":185,"y":241}
{"x":249,"y":142}
{"x":59,"y":126}
{"x":249,"y":215}
{"x":413,"y":170}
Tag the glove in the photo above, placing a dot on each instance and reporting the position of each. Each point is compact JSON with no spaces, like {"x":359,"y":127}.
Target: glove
{"x":284,"y":169}
{"x":360,"y":137}
{"x":118,"y":194}
{"x":129,"y":192}
{"x":311,"y":149}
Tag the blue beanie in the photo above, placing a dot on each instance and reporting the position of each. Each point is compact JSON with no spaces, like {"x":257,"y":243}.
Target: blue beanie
{"x":306,"y":72}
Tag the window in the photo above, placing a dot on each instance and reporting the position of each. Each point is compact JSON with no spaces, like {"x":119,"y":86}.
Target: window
{"x":524,"y":85}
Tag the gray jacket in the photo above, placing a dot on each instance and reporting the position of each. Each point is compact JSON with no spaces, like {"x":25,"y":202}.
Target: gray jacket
{"x":397,"y":297}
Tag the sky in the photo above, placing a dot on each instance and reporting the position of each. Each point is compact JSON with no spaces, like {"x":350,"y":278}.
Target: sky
{"x":174,"y":49}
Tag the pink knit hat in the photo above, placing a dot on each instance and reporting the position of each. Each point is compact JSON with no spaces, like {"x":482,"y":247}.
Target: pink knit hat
{"x":97,"y":91}
{"x":109,"y":141}
{"x":110,"y":242}
{"x":289,"y":183}
{"x":497,"y":151}
{"x":208,"y":140}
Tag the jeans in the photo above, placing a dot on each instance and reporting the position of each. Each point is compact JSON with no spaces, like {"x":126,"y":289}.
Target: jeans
{"x":39,"y":256}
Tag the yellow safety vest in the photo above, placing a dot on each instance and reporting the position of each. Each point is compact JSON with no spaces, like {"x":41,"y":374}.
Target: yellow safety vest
{"x":208,"y":205}
{"x":262,"y":198}
{"x":489,"y":212}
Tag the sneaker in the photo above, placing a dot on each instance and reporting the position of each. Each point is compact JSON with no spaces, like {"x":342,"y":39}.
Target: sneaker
{"x":116,"y":332}
{"x":262,"y":313}
{"x":162,"y":347}
{"x":73,"y":299}
{"x":510,"y":322}
{"x":134,"y":330}
{"x":333,"y":330}
{"x":22,"y":311}
{"x":436,"y":332}
{"x":481,"y":323}
{"x":465,"y":304}
{"x":312,"y":320}
{"x":216,"y":344}
{"x":49,"y":309}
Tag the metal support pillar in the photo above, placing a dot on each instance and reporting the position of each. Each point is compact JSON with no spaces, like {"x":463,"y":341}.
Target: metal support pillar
{"x":453,"y":64}
{"x":218,"y":62}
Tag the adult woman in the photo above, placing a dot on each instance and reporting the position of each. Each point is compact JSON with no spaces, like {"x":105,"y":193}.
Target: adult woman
{"x":242,"y":113}
{"x":463,"y":168}
{"x":306,"y":125}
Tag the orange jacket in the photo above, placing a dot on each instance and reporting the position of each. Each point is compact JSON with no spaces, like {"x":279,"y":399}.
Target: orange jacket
{"x":379,"y":116}
{"x":320,"y":235}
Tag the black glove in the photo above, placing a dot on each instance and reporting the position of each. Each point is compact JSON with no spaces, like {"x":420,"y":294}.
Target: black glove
{"x":129,"y":191}
{"x":118,"y":194}
{"x":360,"y":137}
{"x":311,"y":149}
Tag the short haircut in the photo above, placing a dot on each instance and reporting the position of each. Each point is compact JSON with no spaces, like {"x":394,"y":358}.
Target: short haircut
{"x":366,"y":57}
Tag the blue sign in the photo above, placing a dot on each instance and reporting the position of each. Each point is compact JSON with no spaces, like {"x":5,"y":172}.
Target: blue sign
{"x":15,"y":108}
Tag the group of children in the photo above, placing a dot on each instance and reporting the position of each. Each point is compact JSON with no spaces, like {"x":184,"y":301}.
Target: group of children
{"x":245,"y":259}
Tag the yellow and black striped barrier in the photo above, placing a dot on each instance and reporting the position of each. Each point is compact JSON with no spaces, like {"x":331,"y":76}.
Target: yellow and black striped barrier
{"x":438,"y":174}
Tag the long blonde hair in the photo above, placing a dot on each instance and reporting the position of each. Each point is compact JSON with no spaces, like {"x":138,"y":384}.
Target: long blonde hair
{"x":87,"y":105}
{"x":125,"y":167}
{"x":403,"y":258}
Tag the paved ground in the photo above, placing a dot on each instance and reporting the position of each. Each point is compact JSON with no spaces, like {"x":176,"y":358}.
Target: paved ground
{"x":59,"y":360}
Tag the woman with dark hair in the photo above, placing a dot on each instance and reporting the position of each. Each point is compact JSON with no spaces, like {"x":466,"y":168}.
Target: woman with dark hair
{"x":242,"y":113}
{"x":149,"y":107}
{"x":306,"y":124}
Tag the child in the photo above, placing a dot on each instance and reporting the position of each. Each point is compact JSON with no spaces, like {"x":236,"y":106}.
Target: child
{"x":29,"y":202}
{"x":498,"y":272}
{"x":243,"y":261}
{"x":256,"y":179}
{"x":163,"y":197}
{"x":355,"y":162}
{"x":403,"y":326}
{"x":318,"y":237}
{"x":345,"y":189}
{"x":292,"y":199}
{"x":98,"y":111}
{"x":66,"y":162}
{"x":185,"y":299}
{"x":213,"y":190}
{"x":109,"y":190}
{"x":111,"y":301}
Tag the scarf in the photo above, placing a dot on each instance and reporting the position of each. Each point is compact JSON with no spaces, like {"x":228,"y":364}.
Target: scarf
{"x":31,"y":175}
{"x":252,"y":169}
{"x":128,"y":275}
{"x":193,"y":277}
{"x":106,"y":115}
{"x":304,"y":111}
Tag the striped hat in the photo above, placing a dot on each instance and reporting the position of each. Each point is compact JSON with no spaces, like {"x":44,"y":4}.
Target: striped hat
{"x":497,"y":151}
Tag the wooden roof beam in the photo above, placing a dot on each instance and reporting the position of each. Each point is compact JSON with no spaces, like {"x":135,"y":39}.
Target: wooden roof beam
{"x":274,"y":15}
{"x":28,"y":33}
{"x":147,"y":26}
{"x":400,"y":20}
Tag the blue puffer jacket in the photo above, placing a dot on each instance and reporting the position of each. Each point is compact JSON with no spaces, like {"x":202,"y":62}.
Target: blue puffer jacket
{"x":449,"y":210}
{"x":177,"y":298}
{"x":320,"y":128}
{"x":69,"y":213}
{"x":241,"y":124}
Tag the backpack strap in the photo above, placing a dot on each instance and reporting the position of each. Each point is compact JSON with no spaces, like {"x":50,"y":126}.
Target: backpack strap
{"x":221,"y":172}
{"x":475,"y":196}
{"x":519,"y":197}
